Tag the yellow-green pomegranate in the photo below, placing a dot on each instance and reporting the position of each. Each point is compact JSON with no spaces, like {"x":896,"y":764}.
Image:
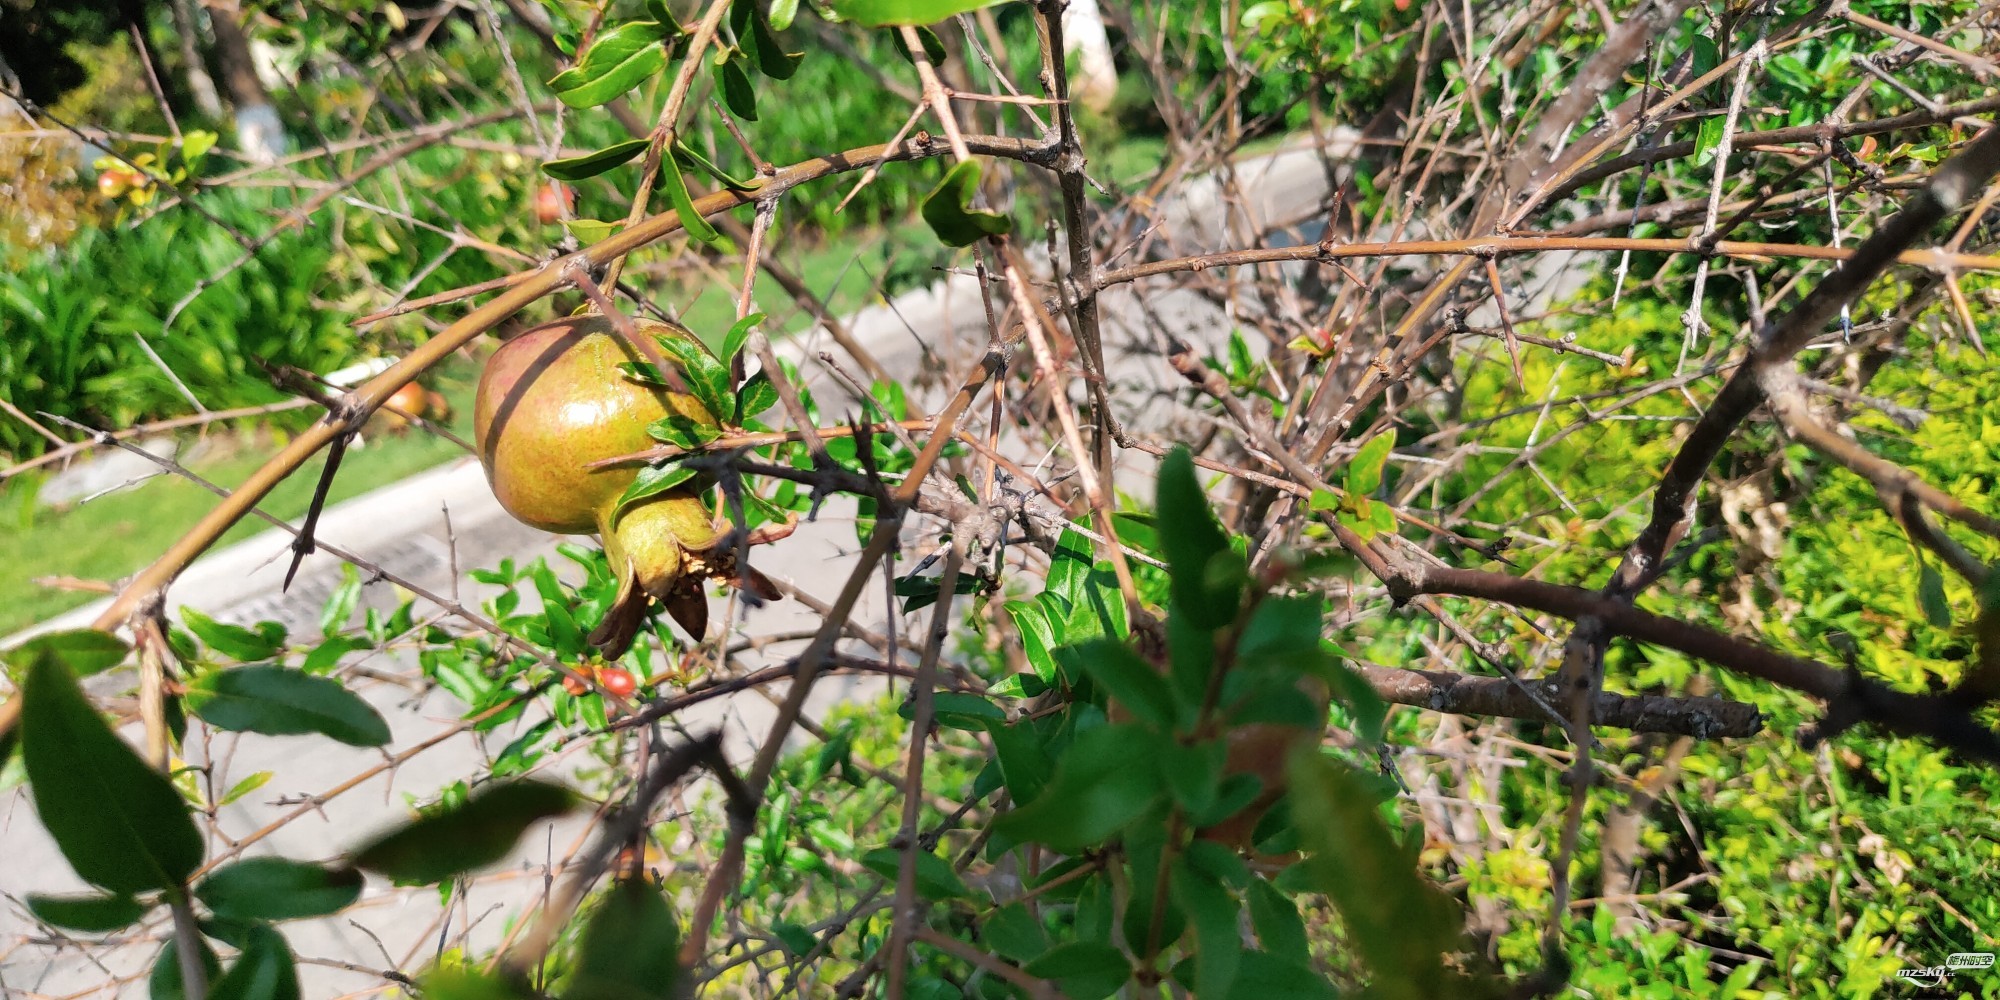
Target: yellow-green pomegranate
{"x":551,"y":402}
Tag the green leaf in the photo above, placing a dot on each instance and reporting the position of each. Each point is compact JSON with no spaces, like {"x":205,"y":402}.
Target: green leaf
{"x":466,"y":984}
{"x":707,"y":378}
{"x":1276,"y":919}
{"x":691,"y":220}
{"x":280,"y":701}
{"x":935,"y":879}
{"x":120,"y":823}
{"x":654,"y":480}
{"x":1106,"y":779}
{"x":948,"y":209}
{"x":934,"y":49}
{"x":277,"y":889}
{"x":630,"y":948}
{"x":1013,"y":932}
{"x":768,"y":50}
{"x":592,"y":230}
{"x":195,"y":144}
{"x":884,"y":13}
{"x":471,"y":835}
{"x":1401,"y":925}
{"x":166,"y":984}
{"x":1194,"y":773}
{"x":1192,"y":540}
{"x":683,"y":431}
{"x":1930,"y":595}
{"x":756,"y":396}
{"x":1323,"y":500}
{"x":1709,"y":139}
{"x":89,"y":914}
{"x":655,"y":9}
{"x":783,"y":12}
{"x":689,"y":156}
{"x":1130,"y":680}
{"x":1037,"y":638}
{"x":83,"y":651}
{"x":798,"y":939}
{"x":739,"y":333}
{"x":576,"y":168}
{"x":1261,"y":976}
{"x":1364,"y":470}
{"x":1024,"y":762}
{"x":958,"y":710}
{"x":245,"y":787}
{"x":620,"y":60}
{"x":325,"y":656}
{"x":340,"y":606}
{"x":1083,"y":970}
{"x":264,"y":970}
{"x":734,"y":83}
{"x":233,"y":641}
{"x":1213,"y":912}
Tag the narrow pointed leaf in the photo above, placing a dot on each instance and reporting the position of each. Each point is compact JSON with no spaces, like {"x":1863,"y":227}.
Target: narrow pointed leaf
{"x":576,"y":168}
{"x":677,"y":193}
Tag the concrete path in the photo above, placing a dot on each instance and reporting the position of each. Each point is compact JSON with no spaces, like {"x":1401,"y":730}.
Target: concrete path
{"x":403,"y":528}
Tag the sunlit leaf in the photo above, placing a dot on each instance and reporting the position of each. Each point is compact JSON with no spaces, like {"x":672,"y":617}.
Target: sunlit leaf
{"x":618,"y":61}
{"x":882,"y":13}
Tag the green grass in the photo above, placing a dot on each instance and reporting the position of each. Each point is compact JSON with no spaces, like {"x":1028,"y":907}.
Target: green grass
{"x":117,"y":534}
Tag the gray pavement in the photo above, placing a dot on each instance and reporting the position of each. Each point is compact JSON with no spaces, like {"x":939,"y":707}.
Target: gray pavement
{"x":403,"y":528}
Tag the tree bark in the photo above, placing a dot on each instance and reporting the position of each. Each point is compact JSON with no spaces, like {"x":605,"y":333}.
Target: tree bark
{"x":201,"y":85}
{"x":260,"y":136}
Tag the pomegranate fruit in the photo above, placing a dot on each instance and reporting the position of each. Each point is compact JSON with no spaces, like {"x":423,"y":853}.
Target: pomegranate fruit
{"x":618,"y":681}
{"x":551,"y":402}
{"x":551,"y":201}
